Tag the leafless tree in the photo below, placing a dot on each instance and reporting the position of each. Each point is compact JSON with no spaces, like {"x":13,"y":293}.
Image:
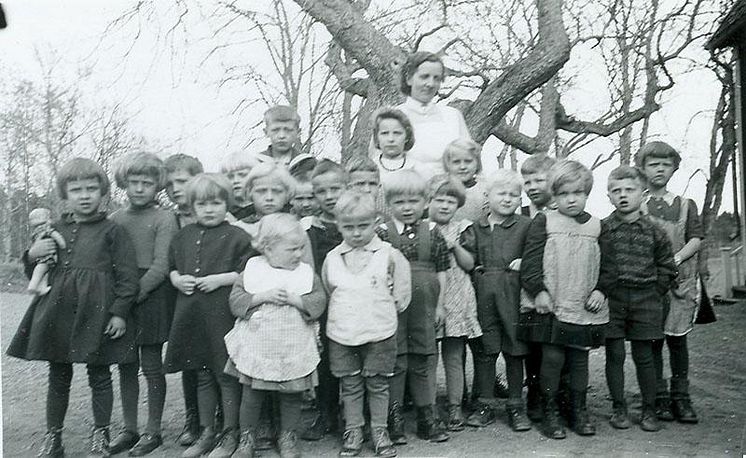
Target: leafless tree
{"x":44,"y":124}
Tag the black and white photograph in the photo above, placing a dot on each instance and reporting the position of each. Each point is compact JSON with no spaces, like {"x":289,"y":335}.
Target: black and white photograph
{"x":426,"y":228}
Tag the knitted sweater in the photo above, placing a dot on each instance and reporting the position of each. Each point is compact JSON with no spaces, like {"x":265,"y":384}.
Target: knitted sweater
{"x":151,"y":230}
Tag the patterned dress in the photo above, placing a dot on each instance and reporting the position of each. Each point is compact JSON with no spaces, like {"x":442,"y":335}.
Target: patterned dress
{"x":460,"y":300}
{"x":273,"y":347}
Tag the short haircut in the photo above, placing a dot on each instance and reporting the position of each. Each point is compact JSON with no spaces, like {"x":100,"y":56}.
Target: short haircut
{"x":206,"y":186}
{"x":80,"y":168}
{"x":566,"y":171}
{"x":624,"y":172}
{"x":271,"y":169}
{"x":537,"y":163}
{"x":404,"y":182}
{"x":398,"y":115}
{"x":329,"y":166}
{"x":361,"y":163}
{"x":353,"y":204}
{"x":238,"y":161}
{"x":463,"y":145}
{"x":301,"y":181}
{"x":503,"y":178}
{"x":660,"y":150}
{"x":189,"y":164}
{"x":414,"y":60}
{"x":446,"y":185}
{"x":281,"y":113}
{"x":140,"y":164}
{"x":274,"y":228}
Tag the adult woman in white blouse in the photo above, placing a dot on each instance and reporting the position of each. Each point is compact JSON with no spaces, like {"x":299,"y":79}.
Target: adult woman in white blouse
{"x":435,"y":126}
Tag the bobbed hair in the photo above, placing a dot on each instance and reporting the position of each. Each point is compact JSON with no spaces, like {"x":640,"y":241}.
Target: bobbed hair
{"x":446,"y":185}
{"x":206,"y":186}
{"x":660,"y":150}
{"x":140,"y":163}
{"x":80,"y":168}
{"x":463,"y":145}
{"x":398,"y":115}
{"x":565,"y":172}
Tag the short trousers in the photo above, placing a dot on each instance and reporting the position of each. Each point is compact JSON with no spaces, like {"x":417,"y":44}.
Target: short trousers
{"x":636,"y":314}
{"x":373,"y":358}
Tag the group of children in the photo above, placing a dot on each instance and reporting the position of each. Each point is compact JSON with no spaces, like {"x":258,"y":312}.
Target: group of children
{"x":274,"y":279}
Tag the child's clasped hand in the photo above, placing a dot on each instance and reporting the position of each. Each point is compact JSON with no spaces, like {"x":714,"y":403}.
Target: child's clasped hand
{"x":208,"y":284}
{"x":595,"y":301}
{"x":543,"y":302}
{"x":185,"y":283}
{"x":116,"y":327}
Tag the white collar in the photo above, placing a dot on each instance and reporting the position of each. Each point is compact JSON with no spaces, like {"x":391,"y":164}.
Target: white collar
{"x":419,"y":107}
{"x":398,"y":225}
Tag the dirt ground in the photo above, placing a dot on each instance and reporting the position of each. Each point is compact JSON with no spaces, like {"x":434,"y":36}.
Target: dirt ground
{"x":718,"y":376}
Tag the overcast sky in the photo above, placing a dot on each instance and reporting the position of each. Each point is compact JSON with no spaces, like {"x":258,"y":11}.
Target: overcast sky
{"x":174,"y":100}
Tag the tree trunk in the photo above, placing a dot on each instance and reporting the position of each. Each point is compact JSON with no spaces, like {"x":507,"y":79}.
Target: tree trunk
{"x":382,"y":61}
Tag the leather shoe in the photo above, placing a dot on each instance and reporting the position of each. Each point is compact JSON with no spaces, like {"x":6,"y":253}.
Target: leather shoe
{"x":123,"y":442}
{"x":147,"y":443}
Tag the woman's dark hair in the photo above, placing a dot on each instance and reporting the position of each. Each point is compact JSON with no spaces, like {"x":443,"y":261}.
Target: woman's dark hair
{"x":410,"y":67}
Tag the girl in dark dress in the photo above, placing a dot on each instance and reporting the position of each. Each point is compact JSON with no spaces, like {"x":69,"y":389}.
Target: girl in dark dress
{"x":151,"y":228}
{"x":85,"y":316}
{"x":205,"y":259}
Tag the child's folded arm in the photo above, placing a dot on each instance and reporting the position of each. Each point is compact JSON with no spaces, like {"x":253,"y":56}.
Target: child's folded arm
{"x":40,"y":248}
{"x":313,"y":304}
{"x":241,"y":302}
{"x":532,"y":264}
{"x":402,"y":280}
{"x":607,"y":275}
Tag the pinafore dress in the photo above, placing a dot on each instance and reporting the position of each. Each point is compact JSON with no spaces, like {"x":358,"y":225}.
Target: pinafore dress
{"x":685,"y":297}
{"x":275,"y":345}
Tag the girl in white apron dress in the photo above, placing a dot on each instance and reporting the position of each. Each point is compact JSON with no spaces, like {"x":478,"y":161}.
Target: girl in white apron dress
{"x":272,"y":346}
